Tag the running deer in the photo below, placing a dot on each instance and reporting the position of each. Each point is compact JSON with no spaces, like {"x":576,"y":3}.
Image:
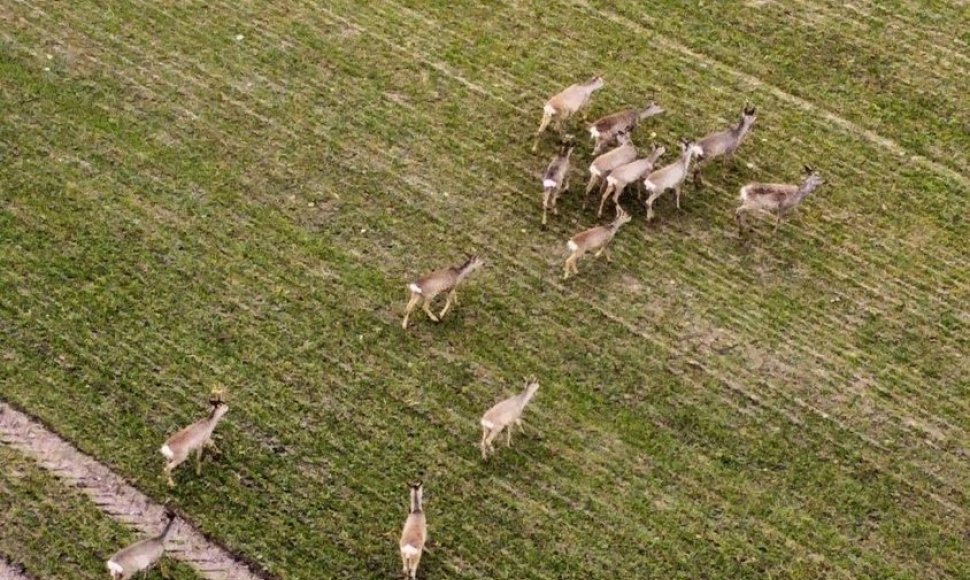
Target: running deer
{"x":624,"y":175}
{"x":141,"y":555}
{"x":597,"y":238}
{"x":776,"y":198}
{"x":671,"y":176}
{"x":607,"y":162}
{"x":724,"y":143}
{"x":424,"y":291}
{"x":556,"y":179}
{"x":563,"y":105}
{"x":415,"y":533}
{"x":195,"y":437}
{"x":505,"y":414}
{"x":605,"y":130}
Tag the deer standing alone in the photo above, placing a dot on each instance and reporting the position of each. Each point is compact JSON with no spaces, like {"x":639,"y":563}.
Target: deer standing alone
{"x":141,"y":555}
{"x":195,"y":437}
{"x":724,"y":143}
{"x":505,"y":414}
{"x":597,"y":238}
{"x":671,"y":176}
{"x":565,"y":104}
{"x":415,"y":533}
{"x":776,"y":198}
{"x":605,"y":130}
{"x":425,"y":290}
{"x":624,"y":175}
{"x":556,"y":179}
{"x":601,"y":167}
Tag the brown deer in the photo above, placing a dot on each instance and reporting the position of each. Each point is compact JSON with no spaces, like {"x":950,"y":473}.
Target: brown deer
{"x":195,"y":437}
{"x":505,"y":414}
{"x":605,"y":130}
{"x":141,"y":555}
{"x":597,"y":238}
{"x":565,"y":104}
{"x":776,"y":198}
{"x":624,"y":175}
{"x":415,"y":533}
{"x":671,"y":176}
{"x":428,"y":287}
{"x":723,"y":144}
{"x":556,"y":179}
{"x":601,"y":167}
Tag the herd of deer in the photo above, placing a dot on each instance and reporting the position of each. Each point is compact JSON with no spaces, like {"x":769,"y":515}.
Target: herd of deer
{"x":612,"y":172}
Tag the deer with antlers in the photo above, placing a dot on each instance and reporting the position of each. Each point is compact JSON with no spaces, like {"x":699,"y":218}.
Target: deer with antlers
{"x":775,"y":198}
{"x":597,"y":239}
{"x":195,"y":438}
{"x":428,"y":287}
{"x":565,"y":104}
{"x":605,"y":130}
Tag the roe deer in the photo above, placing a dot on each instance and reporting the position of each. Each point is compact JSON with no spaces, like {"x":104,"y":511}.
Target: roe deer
{"x":597,"y":238}
{"x":415,"y":533}
{"x":776,"y":198}
{"x":556,"y":179}
{"x":601,"y":167}
{"x":566,"y":103}
{"x":608,"y":128}
{"x":724,"y":143}
{"x":505,"y":414}
{"x":624,"y":175}
{"x":671,"y":176}
{"x":192,"y":438}
{"x":428,"y":287}
{"x":141,"y":555}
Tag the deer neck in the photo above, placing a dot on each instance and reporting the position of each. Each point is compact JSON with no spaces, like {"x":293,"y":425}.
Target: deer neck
{"x":804,"y":191}
{"x":416,"y":507}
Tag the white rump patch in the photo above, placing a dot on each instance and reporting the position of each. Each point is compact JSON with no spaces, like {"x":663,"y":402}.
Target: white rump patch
{"x":572,"y":246}
{"x":594,"y":132}
{"x":594,"y":170}
{"x":744,"y":193}
{"x":549,"y":109}
{"x":414,"y":288}
{"x":488,"y":424}
{"x":549,"y":183}
{"x":115,"y":568}
{"x":167,"y":451}
{"x":409,"y":550}
{"x":651,"y":186}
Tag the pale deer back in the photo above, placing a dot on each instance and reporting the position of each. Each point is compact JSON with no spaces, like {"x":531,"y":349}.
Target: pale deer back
{"x":613,"y":158}
{"x":631,"y":171}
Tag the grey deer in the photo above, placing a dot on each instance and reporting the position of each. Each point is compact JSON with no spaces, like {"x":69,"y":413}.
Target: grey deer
{"x":195,"y":437}
{"x":556,"y":179}
{"x":565,"y":104}
{"x":776,"y":198}
{"x":415,"y":533}
{"x":504,"y":415}
{"x":141,"y":555}
{"x":624,"y":175}
{"x":723,"y":144}
{"x":671,"y":176}
{"x":597,"y":238}
{"x":605,"y":130}
{"x":425,"y":289}
{"x":601,"y":167}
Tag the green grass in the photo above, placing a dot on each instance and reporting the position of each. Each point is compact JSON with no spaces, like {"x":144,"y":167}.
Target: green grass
{"x":55,"y":532}
{"x":184,"y":210}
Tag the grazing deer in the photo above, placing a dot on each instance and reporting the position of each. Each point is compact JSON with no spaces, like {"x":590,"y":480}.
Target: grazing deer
{"x":563,"y":105}
{"x":415,"y":533}
{"x":671,"y":176}
{"x":724,"y":143}
{"x":428,"y":287}
{"x":556,"y":179}
{"x":597,"y":238}
{"x":141,"y":555}
{"x":193,"y":438}
{"x":607,"y":162}
{"x":605,"y":130}
{"x":776,"y":198}
{"x":624,"y":175}
{"x":507,"y":413}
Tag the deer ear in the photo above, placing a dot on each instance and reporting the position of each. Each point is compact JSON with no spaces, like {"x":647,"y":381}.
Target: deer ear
{"x":808,"y":169}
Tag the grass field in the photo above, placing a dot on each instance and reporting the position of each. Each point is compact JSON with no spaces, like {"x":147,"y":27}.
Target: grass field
{"x":230,"y":194}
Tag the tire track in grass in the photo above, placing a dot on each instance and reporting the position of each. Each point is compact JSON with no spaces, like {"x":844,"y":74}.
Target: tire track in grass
{"x":114,"y":496}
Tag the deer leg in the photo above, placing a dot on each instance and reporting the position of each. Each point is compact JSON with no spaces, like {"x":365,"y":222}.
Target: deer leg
{"x":427,"y":310}
{"x":606,"y":252}
{"x":677,"y":194}
{"x":593,"y":180}
{"x":698,"y":180}
{"x":484,"y":443}
{"x":508,"y":436}
{"x":167,"y":472}
{"x":777,"y":222}
{"x":412,"y":303}
{"x":448,"y":301}
{"x":606,"y":194}
{"x":546,"y":117}
{"x":414,"y":565}
{"x":653,"y":197}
